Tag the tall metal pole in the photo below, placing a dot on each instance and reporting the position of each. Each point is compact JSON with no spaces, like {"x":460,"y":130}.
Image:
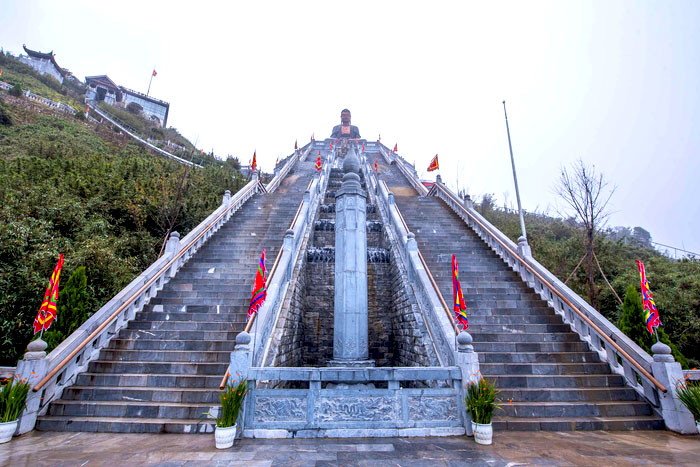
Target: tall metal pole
{"x":151,"y":80}
{"x":515,"y":178}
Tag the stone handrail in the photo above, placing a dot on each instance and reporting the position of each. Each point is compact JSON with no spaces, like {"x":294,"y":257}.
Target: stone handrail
{"x":438,"y":322}
{"x":281,"y":174}
{"x":349,"y":374}
{"x":268,"y":314}
{"x":60,"y":368}
{"x":123,"y":127}
{"x":604,"y":337}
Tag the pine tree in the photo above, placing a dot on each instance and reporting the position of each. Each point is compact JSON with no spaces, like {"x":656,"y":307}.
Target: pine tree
{"x":72,"y":308}
{"x":632,"y":321}
{"x":633,"y":324}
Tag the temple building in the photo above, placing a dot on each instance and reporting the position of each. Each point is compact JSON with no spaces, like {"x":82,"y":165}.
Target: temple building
{"x":44,"y":63}
{"x":153,"y":108}
{"x":102,"y":88}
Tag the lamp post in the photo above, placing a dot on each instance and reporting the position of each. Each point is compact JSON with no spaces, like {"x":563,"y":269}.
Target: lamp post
{"x":522,"y":241}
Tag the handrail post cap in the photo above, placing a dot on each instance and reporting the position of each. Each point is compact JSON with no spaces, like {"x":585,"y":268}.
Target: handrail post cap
{"x":36,"y":350}
{"x":662,"y":352}
{"x":243,"y":338}
{"x":464,"y":339}
{"x":174,"y":234}
{"x":411,"y":236}
{"x":289,"y":233}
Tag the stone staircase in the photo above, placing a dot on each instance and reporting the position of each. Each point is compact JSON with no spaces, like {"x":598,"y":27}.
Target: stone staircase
{"x":548,"y":378}
{"x":162,"y":372}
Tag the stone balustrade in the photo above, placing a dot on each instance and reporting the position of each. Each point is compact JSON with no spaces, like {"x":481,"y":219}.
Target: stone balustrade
{"x":50,"y":374}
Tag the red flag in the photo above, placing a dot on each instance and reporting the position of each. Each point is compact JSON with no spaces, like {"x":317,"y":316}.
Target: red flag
{"x":363,"y":146}
{"x":376,"y":163}
{"x":254,"y":164}
{"x":331,"y":145}
{"x":434,"y":164}
{"x":395,"y":148}
{"x":319,"y":164}
{"x":460,"y":307}
{"x":295,"y":145}
{"x":154,"y":72}
{"x":651,"y":314}
{"x":259,"y":294}
{"x":47,"y":311}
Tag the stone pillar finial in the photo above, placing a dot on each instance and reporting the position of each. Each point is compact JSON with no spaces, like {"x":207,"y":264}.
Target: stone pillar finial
{"x":669,"y":373}
{"x":307,"y":196}
{"x":36,"y":350}
{"x":524,"y":248}
{"x":227,"y":197}
{"x":173,"y":243}
{"x":464,"y":342}
{"x":468,"y":203}
{"x":438,"y":179}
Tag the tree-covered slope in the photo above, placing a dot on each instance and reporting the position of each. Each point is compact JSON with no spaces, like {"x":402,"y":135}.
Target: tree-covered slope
{"x":559,"y":245}
{"x":103,"y":203}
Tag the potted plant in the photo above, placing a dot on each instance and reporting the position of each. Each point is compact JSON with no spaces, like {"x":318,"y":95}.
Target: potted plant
{"x":231,"y":402}
{"x":13,"y":399}
{"x":482,"y":403}
{"x":689,"y":394}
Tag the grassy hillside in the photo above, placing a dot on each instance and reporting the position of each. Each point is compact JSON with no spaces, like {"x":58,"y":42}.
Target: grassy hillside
{"x":70,"y":187}
{"x":559,"y":245}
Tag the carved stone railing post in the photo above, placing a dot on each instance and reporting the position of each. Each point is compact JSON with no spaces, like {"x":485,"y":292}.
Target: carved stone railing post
{"x":524,"y":249}
{"x":468,"y":203}
{"x":33,"y":367}
{"x":669,"y":373}
{"x":468,"y":362}
{"x":226,"y":198}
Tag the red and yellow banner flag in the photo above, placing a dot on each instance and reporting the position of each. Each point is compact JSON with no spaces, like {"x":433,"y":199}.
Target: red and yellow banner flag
{"x":651,"y":314}
{"x":363,"y":146}
{"x":434,"y":164}
{"x":259,"y":287}
{"x":47,"y":311}
{"x":254,"y":164}
{"x":460,"y":307}
{"x":376,"y":163}
{"x":396,"y":148}
{"x":331,"y":145}
{"x":319,"y":165}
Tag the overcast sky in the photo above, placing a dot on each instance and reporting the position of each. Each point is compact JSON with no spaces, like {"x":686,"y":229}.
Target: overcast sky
{"x":613,"y":83}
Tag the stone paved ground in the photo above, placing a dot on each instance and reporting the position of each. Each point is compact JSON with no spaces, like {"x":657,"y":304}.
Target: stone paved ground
{"x":595,"y":448}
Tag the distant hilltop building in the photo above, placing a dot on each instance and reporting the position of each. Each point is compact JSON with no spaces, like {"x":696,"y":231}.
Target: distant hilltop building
{"x":101,"y":88}
{"x":44,"y":63}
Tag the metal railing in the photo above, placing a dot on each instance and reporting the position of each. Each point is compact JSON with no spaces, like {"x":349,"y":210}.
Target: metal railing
{"x":604,"y":337}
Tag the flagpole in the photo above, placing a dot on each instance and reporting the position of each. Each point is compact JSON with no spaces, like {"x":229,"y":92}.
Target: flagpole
{"x":150,"y":81}
{"x":515,"y":178}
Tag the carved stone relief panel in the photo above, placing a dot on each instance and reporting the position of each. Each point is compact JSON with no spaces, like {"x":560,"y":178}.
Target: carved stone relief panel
{"x":280,"y":409}
{"x":429,"y":408}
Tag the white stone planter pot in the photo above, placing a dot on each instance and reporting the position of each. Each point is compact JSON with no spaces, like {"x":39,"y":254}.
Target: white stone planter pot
{"x":7,"y":429}
{"x":483,"y":433}
{"x":225,"y":436}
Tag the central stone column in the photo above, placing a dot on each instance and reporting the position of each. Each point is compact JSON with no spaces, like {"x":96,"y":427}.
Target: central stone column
{"x":350,"y":347}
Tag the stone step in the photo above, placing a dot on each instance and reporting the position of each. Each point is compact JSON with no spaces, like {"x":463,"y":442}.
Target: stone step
{"x":527,"y":369}
{"x":575,"y":409}
{"x":157,"y":380}
{"x":546,"y":382}
{"x":537,"y":309}
{"x":224,"y":310}
{"x":173,"y":325}
{"x":538,"y":357}
{"x":124,"y":425}
{"x":141,"y":394}
{"x":140,"y":409}
{"x":589,"y":394}
{"x":221,"y":317}
{"x":199,"y":301}
{"x":175,"y":335}
{"x":146,"y":367}
{"x":524,"y":337}
{"x":572,"y":346}
{"x":476,"y":328}
{"x":578,"y":423}
{"x":481,"y":320}
{"x":191,"y":356}
{"x":163,"y":344}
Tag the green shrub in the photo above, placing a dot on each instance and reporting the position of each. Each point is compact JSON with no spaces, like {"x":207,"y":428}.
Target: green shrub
{"x":15,"y":91}
{"x":481,"y":401}
{"x":13,"y":398}
{"x":231,"y":403}
{"x":134,"y":108}
{"x":5,"y":117}
{"x":689,"y":394}
{"x":72,"y":310}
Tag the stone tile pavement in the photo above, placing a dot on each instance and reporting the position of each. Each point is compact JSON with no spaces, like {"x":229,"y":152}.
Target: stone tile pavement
{"x":597,"y":448}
